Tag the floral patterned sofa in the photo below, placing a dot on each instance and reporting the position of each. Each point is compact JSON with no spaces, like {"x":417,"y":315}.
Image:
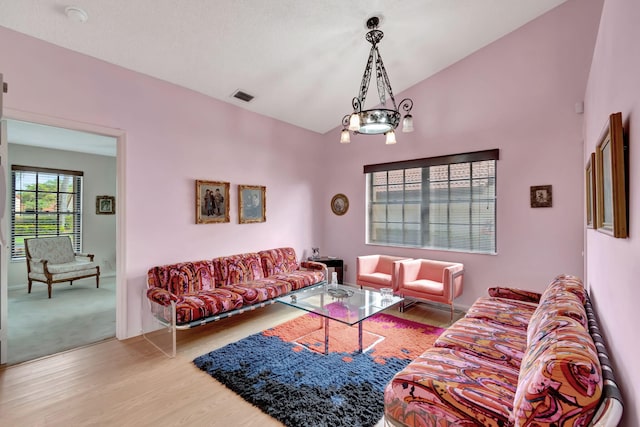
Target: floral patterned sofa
{"x":517,"y":358}
{"x":189,"y":294}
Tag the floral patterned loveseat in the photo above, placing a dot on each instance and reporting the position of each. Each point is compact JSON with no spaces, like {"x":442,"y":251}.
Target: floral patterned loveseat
{"x":517,"y":358}
{"x":189,"y":294}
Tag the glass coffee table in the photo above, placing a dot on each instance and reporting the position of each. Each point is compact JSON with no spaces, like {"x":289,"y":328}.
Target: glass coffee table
{"x":341,"y":303}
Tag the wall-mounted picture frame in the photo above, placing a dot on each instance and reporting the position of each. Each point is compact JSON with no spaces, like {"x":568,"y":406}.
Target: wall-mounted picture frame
{"x":339,"y":204}
{"x":212,"y":201}
{"x":105,"y":205}
{"x":252,"y":204}
{"x":590,"y":187}
{"x":611,"y":196}
{"x":541,"y":196}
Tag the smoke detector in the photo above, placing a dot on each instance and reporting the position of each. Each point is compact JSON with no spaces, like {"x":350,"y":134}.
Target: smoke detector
{"x":76,"y":14}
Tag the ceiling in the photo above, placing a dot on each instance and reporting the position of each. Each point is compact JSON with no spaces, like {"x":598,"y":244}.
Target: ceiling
{"x":301,"y":59}
{"x":37,"y":135}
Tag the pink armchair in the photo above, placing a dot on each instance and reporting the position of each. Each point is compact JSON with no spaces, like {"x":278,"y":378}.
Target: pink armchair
{"x":378,"y":271}
{"x":428,"y":280}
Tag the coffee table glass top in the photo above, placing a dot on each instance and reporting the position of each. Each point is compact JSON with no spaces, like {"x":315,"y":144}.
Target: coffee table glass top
{"x":338,"y":302}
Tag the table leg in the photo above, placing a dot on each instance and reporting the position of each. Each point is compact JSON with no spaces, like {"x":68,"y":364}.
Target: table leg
{"x":360,"y":337}
{"x":326,"y":336}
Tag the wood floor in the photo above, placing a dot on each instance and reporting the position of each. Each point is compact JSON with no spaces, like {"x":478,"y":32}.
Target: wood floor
{"x":131,"y":383}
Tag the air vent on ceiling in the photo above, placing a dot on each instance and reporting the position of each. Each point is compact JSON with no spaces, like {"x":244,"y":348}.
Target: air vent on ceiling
{"x":243,"y":96}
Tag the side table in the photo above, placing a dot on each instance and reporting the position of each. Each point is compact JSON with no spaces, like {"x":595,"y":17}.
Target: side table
{"x":336,"y":263}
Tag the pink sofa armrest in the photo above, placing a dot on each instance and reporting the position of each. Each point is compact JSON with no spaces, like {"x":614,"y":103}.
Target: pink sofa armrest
{"x":161,"y":296}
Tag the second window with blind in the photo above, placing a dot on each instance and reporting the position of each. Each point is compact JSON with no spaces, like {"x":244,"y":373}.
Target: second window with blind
{"x":45,"y":202}
{"x":446,"y":202}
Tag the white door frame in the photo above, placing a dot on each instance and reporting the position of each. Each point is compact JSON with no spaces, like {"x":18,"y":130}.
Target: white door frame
{"x":120,"y":135}
{"x":4,"y":307}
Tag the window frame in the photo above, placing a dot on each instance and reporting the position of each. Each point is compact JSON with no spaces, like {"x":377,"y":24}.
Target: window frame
{"x":17,"y":250}
{"x":425,"y":238}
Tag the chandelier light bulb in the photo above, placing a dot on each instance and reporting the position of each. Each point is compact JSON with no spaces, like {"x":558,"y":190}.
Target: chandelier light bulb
{"x":407,"y":123}
{"x":354,"y":122}
{"x":345,"y":138}
{"x":391,"y":137}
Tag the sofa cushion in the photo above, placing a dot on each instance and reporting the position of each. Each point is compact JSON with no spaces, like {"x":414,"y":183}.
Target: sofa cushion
{"x":63,"y":277}
{"x":565,"y":304}
{"x":502,"y":311}
{"x":67,"y":267}
{"x":381,"y":279}
{"x":501,"y":344}
{"x":195,"y":306}
{"x":279,"y":260}
{"x":238,"y":268}
{"x":424,"y":286}
{"x":183,"y":278}
{"x":456,"y":386}
{"x":257,"y":291}
{"x":56,"y":250}
{"x":560,"y":380}
{"x":565,"y":283}
{"x":301,"y":278}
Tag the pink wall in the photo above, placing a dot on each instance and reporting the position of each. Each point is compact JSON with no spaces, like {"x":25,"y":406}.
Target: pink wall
{"x":173,"y":137}
{"x":612,"y":264}
{"x":518,"y":95}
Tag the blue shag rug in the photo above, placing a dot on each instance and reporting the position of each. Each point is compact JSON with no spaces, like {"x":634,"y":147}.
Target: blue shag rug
{"x":301,"y":387}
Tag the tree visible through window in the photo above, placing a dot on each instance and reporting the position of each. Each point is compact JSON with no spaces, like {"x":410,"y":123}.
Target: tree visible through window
{"x":45,"y":202}
{"x":446,"y":202}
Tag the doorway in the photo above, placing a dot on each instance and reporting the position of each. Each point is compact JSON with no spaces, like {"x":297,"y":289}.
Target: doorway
{"x":79,"y":314}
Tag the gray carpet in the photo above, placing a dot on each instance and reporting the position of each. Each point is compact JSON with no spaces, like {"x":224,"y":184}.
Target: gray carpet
{"x":74,"y":316}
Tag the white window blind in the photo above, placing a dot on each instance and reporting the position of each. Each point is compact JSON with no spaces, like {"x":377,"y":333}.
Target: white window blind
{"x":45,"y":202}
{"x":446,"y":202}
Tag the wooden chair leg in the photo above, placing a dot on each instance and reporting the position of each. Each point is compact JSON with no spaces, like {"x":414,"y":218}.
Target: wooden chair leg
{"x":30,"y":284}
{"x":97,"y":281}
{"x":49,"y":289}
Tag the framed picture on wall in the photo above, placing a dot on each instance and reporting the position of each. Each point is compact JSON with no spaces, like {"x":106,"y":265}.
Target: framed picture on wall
{"x":611,"y":197}
{"x":590,"y":186}
{"x":105,"y":205}
{"x":541,"y":196}
{"x":212,"y":202}
{"x":339,"y":204}
{"x":252,"y":204}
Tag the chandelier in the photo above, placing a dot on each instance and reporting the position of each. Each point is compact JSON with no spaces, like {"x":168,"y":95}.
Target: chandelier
{"x":377,"y":120}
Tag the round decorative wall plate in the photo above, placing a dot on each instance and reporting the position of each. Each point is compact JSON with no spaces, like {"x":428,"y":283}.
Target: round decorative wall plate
{"x":339,"y":204}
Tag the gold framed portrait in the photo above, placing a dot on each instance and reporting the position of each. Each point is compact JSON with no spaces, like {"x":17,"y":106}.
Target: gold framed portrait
{"x":590,"y":187}
{"x":212,"y":201}
{"x":611,"y":197}
{"x":252,"y":204}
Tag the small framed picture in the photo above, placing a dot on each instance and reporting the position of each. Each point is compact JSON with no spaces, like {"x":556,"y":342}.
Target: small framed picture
{"x":339,"y":204}
{"x":541,"y":196}
{"x":105,"y":205}
{"x":212,"y":202}
{"x":252,"y":204}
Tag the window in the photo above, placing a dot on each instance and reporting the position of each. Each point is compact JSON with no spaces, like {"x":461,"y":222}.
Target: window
{"x":446,"y":202}
{"x":45,"y":202}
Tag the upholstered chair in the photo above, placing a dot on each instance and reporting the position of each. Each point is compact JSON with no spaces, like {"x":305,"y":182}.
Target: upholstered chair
{"x":52,"y":260}
{"x":377,"y":271}
{"x":429,"y":280}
